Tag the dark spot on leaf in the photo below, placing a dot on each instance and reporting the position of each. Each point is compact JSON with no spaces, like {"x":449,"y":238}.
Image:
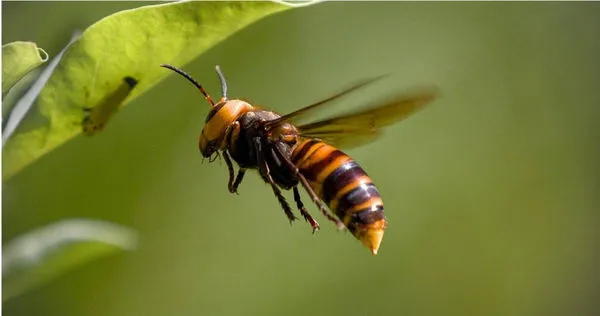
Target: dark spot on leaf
{"x":130,"y":81}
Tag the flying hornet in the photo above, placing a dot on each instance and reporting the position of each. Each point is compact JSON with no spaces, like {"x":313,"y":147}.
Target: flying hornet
{"x":288,"y":154}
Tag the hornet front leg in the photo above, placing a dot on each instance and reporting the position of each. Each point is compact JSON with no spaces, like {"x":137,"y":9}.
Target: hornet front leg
{"x":231,"y":185}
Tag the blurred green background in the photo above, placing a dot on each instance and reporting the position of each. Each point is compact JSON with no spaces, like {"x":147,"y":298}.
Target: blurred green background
{"x":491,"y":193}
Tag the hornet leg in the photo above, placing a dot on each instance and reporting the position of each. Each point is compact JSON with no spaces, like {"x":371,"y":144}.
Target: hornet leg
{"x":264,"y":168}
{"x":304,"y":212}
{"x":309,"y":189}
{"x":231,"y":185}
{"x":231,"y":171}
{"x":238,"y":180}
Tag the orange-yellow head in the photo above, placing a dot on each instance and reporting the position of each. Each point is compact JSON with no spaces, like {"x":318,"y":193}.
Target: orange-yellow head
{"x":217,"y":121}
{"x":221,"y":116}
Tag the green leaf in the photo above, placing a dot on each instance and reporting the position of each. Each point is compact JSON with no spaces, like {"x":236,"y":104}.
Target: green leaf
{"x":45,"y":253}
{"x":23,"y":105}
{"x":17,"y":91}
{"x":131,"y":43}
{"x":18,"y":59}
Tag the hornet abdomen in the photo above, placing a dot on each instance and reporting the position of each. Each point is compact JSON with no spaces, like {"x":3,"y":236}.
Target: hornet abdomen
{"x":345,"y":187}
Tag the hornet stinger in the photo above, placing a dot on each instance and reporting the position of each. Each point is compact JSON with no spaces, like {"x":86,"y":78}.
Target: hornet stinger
{"x":287,"y":154}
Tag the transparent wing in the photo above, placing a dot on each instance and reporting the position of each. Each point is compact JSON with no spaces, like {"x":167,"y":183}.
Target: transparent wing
{"x":312,"y":109}
{"x":364,"y":126}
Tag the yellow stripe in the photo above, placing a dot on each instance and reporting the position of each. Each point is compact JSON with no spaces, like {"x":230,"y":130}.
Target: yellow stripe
{"x":334,"y":165}
{"x":317,"y":187}
{"x":314,"y":155}
{"x":359,"y":207}
{"x":309,"y":154}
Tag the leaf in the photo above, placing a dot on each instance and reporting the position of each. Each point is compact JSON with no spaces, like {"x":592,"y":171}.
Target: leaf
{"x":24,"y":104}
{"x":17,"y":91}
{"x":99,"y":115}
{"x":18,"y":59}
{"x":45,"y":253}
{"x":130,"y":43}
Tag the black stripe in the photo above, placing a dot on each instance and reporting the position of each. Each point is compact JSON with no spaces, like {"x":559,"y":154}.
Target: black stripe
{"x":369,"y":216}
{"x":214,"y":111}
{"x":340,"y":178}
{"x":313,"y":171}
{"x":365,"y":217}
{"x":356,"y":196}
{"x":305,"y":148}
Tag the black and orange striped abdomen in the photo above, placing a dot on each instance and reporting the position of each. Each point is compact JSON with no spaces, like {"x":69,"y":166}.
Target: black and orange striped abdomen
{"x":345,"y":187}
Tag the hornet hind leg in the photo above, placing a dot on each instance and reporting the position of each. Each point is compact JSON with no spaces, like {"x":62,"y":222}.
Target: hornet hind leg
{"x":309,"y":189}
{"x":304,"y":212}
